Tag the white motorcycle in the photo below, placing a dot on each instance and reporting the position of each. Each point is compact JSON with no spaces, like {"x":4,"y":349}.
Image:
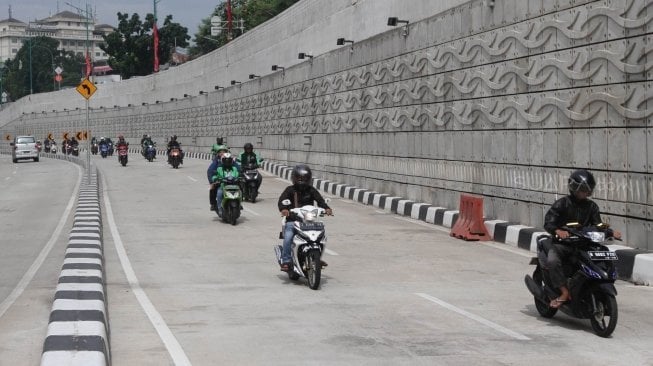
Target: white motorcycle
{"x":307,"y":244}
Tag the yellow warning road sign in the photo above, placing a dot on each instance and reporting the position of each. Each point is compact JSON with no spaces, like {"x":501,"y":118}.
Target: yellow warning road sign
{"x":86,"y":88}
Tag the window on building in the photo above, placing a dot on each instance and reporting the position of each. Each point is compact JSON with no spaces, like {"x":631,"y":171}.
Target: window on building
{"x":97,"y":54}
{"x":69,"y":24}
{"x":14,"y":40}
{"x":14,"y":50}
{"x":80,"y":43}
{"x":104,"y":54}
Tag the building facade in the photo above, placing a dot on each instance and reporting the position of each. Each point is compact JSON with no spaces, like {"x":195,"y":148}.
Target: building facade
{"x":68,"y":28}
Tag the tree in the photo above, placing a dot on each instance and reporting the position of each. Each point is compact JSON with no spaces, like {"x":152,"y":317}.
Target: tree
{"x":253,"y":12}
{"x":130,"y":47}
{"x":44,"y":56}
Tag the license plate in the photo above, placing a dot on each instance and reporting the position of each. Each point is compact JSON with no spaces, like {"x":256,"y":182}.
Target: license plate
{"x":311,"y":226}
{"x":603,"y":256}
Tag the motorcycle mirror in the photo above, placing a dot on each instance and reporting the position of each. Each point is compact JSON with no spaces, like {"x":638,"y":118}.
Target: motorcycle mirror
{"x":285,"y":202}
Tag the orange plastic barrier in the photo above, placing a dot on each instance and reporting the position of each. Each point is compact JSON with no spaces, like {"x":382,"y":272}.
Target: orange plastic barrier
{"x":470,"y":224}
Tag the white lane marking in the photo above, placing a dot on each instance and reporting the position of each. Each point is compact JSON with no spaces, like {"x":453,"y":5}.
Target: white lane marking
{"x":330,"y":252}
{"x":191,"y":178}
{"x":171,"y":343}
{"x":27,"y":277}
{"x":281,"y":179}
{"x":477,"y":318}
{"x":500,"y":246}
{"x":7,"y":178}
{"x":251,"y":211}
{"x":640,"y":287}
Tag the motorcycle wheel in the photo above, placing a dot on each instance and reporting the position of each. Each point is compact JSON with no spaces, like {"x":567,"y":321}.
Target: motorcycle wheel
{"x":314,"y":269}
{"x":233,"y":215}
{"x":542,"y":308}
{"x":253,"y":192}
{"x":292,"y":275}
{"x":605,"y":319}
{"x":175,"y":164}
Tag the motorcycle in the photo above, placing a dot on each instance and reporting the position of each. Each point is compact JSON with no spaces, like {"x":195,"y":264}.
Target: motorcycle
{"x":110,"y":144}
{"x":249,"y":182}
{"x":231,"y":199}
{"x":307,"y":244}
{"x":75,"y":150}
{"x":39,"y":146}
{"x":94,"y":148}
{"x":68,"y":149}
{"x":150,"y":152}
{"x":122,"y":154}
{"x":104,"y":150}
{"x":175,"y":157}
{"x":591,"y":274}
{"x":53,"y":147}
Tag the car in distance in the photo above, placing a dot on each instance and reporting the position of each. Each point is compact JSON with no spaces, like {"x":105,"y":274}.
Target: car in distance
{"x":24,"y":147}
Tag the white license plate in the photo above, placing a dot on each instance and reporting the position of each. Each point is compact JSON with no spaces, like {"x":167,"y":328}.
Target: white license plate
{"x":603,"y":256}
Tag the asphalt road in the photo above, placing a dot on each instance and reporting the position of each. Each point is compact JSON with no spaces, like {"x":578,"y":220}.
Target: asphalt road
{"x":185,"y":288}
{"x":34,"y":226}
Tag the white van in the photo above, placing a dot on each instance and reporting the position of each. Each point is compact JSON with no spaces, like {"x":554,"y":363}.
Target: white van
{"x":24,"y":147}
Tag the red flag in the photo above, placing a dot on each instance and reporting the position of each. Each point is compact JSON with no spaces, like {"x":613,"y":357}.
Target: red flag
{"x":155,"y":32}
{"x":88,"y":65}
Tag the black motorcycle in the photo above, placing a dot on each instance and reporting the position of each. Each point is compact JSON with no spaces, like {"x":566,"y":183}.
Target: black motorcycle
{"x":249,"y":182}
{"x":591,"y":274}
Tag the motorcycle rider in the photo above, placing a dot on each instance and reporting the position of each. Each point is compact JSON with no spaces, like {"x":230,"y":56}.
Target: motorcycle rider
{"x":219,"y":142}
{"x":249,"y":157}
{"x":217,"y":161}
{"x":73,"y":143}
{"x":121,"y":142}
{"x":300,"y":193}
{"x":173,"y":143}
{"x":575,"y":207}
{"x":145,"y":142}
{"x":225,"y":169}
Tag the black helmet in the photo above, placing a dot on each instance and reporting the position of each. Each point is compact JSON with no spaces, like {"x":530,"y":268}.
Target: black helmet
{"x":174,"y":137}
{"x":301,"y":176}
{"x":248,"y":147}
{"x":581,"y":181}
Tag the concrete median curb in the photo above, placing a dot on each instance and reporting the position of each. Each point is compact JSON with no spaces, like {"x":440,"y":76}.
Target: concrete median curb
{"x":634,"y":265}
{"x":78,"y":329}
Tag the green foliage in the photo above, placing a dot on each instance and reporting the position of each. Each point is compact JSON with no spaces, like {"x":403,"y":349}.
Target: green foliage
{"x":253,"y":12}
{"x":131,"y":46}
{"x":44,"y":58}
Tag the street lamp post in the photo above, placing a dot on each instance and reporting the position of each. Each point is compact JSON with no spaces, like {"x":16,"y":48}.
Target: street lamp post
{"x":31,"y":89}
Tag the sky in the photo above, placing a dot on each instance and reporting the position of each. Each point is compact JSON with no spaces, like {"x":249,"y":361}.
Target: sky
{"x":188,"y":13}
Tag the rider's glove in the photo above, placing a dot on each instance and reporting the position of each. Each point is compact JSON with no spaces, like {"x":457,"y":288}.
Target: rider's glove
{"x":328,"y":212}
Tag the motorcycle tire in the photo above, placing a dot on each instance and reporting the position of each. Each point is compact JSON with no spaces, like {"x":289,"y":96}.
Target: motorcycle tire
{"x":293,"y":275}
{"x":606,"y":308}
{"x":175,"y":164}
{"x":253,"y":192}
{"x":543,"y":308}
{"x":314,"y":269}
{"x":234,"y":212}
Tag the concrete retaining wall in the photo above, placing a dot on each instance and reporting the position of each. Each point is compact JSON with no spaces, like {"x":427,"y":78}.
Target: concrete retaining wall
{"x":502,"y":101}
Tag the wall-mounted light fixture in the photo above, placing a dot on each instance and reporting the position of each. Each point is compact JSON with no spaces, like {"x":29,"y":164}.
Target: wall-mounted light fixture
{"x":115,"y":106}
{"x":253,"y":76}
{"x":277,"y":67}
{"x":157,"y":102}
{"x":393,"y":21}
{"x":303,"y":55}
{"x":129,"y":105}
{"x":489,"y":3}
{"x":202,"y":92}
{"x":173,"y":99}
{"x":186,"y":95}
{"x":234,"y":82}
{"x":144,"y":103}
{"x":342,"y":41}
{"x":218,"y":87}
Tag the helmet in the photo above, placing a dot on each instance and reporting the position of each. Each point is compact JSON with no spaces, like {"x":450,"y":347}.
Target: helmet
{"x":227,"y":160}
{"x":248,"y":147}
{"x":147,"y":136}
{"x":581,"y":181}
{"x":174,"y":138}
{"x":301,"y":176}
{"x":221,"y":148}
{"x":120,"y":137}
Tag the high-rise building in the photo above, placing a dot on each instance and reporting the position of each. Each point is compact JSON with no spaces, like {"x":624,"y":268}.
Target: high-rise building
{"x":66,"y":27}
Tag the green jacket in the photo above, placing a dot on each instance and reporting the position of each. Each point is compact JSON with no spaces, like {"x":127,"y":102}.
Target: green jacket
{"x":221,"y":173}
{"x":246,"y":158}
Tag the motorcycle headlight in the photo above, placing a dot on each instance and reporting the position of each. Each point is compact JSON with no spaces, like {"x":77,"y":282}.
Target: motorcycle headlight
{"x":309,"y":215}
{"x":231,"y":195}
{"x":596,"y":236}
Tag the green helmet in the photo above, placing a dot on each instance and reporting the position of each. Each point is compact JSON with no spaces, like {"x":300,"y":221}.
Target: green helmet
{"x":217,"y":148}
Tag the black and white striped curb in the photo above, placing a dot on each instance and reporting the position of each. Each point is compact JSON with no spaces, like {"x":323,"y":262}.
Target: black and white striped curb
{"x":634,"y":265}
{"x":78,"y":331}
